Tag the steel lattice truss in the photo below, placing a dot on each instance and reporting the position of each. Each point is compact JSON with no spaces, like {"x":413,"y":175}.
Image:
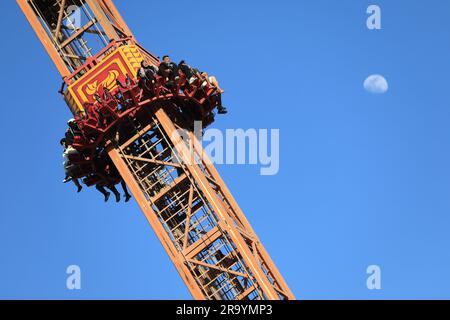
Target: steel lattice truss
{"x":205,"y":233}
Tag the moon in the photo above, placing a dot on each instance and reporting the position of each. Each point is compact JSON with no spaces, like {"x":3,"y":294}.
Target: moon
{"x":376,"y":84}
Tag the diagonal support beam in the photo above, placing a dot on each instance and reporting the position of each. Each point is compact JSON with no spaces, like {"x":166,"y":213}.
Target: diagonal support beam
{"x":77,"y":34}
{"x":219,"y":268}
{"x":60,"y":18}
{"x":169,"y":188}
{"x":188,"y":217}
{"x":136,"y":136}
{"x":154,"y":161}
{"x":201,"y":244}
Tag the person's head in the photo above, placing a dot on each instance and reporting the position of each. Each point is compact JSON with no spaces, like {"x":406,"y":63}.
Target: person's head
{"x":72,"y":123}
{"x":166,"y":58}
{"x":144,"y":64}
{"x":63,"y":142}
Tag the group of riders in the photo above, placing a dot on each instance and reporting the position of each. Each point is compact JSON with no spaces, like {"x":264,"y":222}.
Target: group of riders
{"x":103,"y":167}
{"x":150,"y":79}
{"x":178,"y":76}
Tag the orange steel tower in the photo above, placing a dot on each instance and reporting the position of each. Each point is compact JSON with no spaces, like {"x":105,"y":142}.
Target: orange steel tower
{"x":191,"y":210}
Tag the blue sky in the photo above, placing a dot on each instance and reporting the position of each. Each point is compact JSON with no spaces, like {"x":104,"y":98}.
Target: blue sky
{"x":364,"y":179}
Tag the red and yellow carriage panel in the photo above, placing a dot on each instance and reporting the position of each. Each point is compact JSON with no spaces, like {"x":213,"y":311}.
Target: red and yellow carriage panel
{"x":122,"y":62}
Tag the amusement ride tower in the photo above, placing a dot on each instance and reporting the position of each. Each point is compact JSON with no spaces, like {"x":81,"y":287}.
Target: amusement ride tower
{"x":138,"y":124}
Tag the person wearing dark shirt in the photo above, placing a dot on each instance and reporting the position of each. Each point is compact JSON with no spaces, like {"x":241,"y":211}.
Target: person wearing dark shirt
{"x":72,"y":131}
{"x":147,"y":71}
{"x":187,"y":70}
{"x":169,"y":71}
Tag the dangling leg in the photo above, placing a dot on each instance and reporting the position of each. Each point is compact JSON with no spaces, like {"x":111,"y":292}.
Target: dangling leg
{"x":116,"y":193}
{"x":103,"y":191}
{"x":67,"y":177}
{"x":220,"y":107}
{"x":125,"y":190}
{"x":67,"y":171}
{"x":77,"y":183}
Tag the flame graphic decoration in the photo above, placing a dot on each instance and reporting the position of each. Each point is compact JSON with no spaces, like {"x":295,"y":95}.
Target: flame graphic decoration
{"x":109,"y":83}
